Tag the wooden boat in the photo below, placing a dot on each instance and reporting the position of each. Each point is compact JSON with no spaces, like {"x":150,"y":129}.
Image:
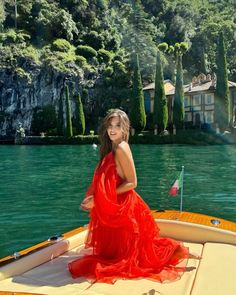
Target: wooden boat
{"x":42,"y":269}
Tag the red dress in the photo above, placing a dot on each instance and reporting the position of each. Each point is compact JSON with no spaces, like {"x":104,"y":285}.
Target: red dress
{"x":124,"y":236}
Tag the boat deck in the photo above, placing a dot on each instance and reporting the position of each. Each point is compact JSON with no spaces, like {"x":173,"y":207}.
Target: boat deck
{"x":43,"y":268}
{"x":203,"y":277}
{"x":53,"y":278}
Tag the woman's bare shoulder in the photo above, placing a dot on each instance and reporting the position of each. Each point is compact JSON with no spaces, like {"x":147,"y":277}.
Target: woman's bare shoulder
{"x":122,"y":149}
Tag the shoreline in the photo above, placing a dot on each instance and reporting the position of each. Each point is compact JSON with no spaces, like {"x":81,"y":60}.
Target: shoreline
{"x":184,"y":137}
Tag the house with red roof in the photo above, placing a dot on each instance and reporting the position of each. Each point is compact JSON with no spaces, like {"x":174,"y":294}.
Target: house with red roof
{"x":199,"y":97}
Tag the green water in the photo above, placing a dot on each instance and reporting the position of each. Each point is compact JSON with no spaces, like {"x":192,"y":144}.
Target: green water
{"x":41,"y":187}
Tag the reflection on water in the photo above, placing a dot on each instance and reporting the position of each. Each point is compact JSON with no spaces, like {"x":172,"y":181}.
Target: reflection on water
{"x":42,"y":186}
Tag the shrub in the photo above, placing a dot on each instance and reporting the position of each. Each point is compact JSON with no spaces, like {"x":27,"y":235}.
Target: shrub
{"x":80,"y":61}
{"x":119,"y":66}
{"x":12,"y":36}
{"x":23,"y":74}
{"x":30,"y":53}
{"x":58,"y":60}
{"x":8,"y":37}
{"x":86,"y":51}
{"x":108,"y":71}
{"x":93,"y":39}
{"x":61,"y":45}
{"x":104,"y":55}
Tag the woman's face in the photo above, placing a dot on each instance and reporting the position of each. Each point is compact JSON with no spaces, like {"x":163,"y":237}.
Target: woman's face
{"x":114,"y":130}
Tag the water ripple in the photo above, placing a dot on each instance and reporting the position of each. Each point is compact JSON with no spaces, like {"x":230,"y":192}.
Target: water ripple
{"x":42,"y":186}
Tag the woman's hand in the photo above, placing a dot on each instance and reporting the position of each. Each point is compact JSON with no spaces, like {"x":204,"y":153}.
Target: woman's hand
{"x":88,"y":203}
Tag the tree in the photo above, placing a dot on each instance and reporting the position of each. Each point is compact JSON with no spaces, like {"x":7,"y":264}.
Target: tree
{"x":79,"y":116}
{"x":160,"y":112}
{"x":48,"y":21}
{"x":222,"y":101}
{"x":2,"y":15}
{"x":60,"y":117}
{"x":204,"y":43}
{"x":68,"y":130}
{"x":138,"y":34}
{"x":86,"y":101}
{"x":178,"y":108}
{"x":137,"y":111}
{"x":13,"y":3}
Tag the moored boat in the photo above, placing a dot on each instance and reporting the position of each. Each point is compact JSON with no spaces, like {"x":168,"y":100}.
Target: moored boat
{"x":42,"y":269}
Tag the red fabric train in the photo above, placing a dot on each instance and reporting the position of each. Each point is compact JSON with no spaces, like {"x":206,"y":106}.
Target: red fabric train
{"x":124,"y":236}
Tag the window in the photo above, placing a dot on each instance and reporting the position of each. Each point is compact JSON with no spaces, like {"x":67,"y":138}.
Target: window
{"x":197,"y":100}
{"x":187,"y":101}
{"x":209,"y":99}
{"x":209,"y":117}
{"x":188,"y":117}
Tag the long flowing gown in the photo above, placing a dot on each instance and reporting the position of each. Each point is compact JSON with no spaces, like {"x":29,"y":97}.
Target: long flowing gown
{"x":124,"y":236}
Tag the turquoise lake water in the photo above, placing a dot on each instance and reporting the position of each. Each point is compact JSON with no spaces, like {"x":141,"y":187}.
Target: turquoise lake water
{"x":41,"y":187}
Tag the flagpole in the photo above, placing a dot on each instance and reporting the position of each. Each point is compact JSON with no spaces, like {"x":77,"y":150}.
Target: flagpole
{"x":182,"y":189}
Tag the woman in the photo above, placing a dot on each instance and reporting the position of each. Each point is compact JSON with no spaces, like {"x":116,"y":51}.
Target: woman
{"x":122,"y":232}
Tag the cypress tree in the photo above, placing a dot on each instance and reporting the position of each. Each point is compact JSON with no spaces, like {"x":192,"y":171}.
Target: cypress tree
{"x":160,"y":112}
{"x":68,"y":130}
{"x":178,"y":108}
{"x":222,"y":100}
{"x":85,"y":99}
{"x":137,"y":111}
{"x":2,"y":15}
{"x":60,"y":117}
{"x":79,"y":116}
{"x":204,"y":63}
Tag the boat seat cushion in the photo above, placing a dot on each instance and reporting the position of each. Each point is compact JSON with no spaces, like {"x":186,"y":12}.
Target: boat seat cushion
{"x":53,"y":278}
{"x":217,"y":259}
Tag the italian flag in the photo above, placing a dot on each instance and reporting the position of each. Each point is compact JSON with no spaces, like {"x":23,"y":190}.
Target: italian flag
{"x":177,"y":185}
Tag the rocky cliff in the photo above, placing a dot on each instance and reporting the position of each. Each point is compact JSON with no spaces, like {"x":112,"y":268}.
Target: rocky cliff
{"x":21,"y":91}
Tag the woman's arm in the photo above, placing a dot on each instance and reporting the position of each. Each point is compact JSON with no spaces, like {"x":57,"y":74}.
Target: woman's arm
{"x":124,"y":157}
{"x":88,"y":202}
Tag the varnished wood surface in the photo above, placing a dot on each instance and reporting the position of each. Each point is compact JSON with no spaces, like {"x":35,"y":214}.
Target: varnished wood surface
{"x":195,"y":218}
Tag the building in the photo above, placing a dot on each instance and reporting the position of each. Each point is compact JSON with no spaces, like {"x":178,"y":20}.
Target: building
{"x":149,"y":94}
{"x":199,"y":97}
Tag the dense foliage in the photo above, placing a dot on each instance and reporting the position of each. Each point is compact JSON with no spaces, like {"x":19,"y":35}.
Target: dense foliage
{"x":94,"y":39}
{"x":133,"y":25}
